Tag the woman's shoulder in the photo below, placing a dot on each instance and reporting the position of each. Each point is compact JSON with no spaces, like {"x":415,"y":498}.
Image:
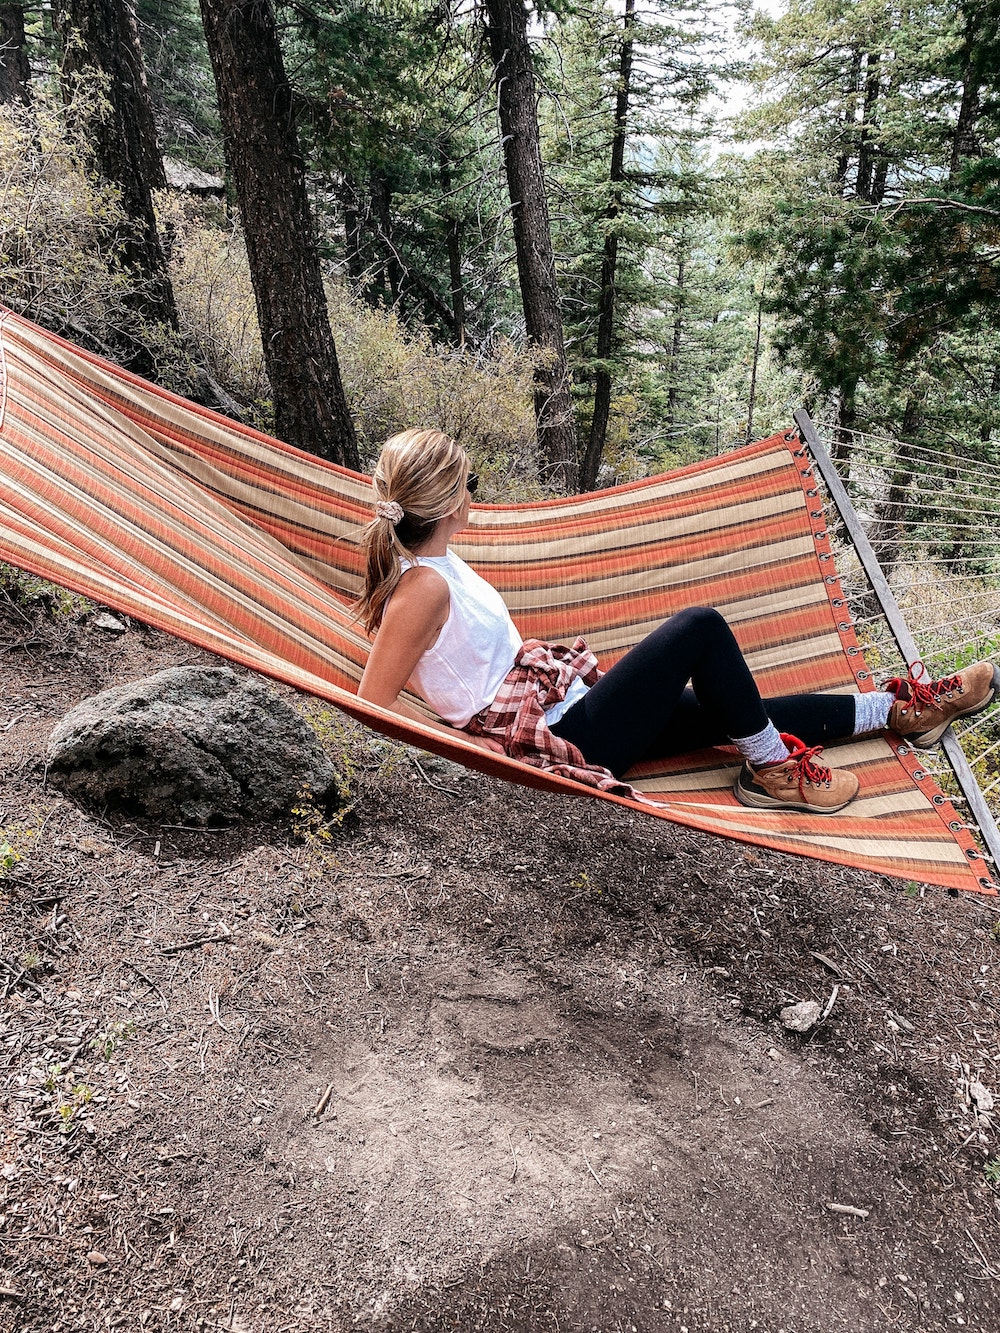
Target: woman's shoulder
{"x":421,"y":586}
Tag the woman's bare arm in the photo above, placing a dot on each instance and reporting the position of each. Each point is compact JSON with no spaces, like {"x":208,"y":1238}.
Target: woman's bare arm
{"x":414,"y":618}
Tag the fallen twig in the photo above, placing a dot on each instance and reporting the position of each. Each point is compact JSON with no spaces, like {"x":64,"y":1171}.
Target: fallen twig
{"x":449,"y":791}
{"x":323,"y":1102}
{"x":862,"y":967}
{"x":196,"y":944}
{"x":592,"y":1172}
{"x":849,"y":1209}
{"x":828,"y":963}
{"x":513,"y":1175}
{"x":991,"y":1272}
{"x":149,"y":982}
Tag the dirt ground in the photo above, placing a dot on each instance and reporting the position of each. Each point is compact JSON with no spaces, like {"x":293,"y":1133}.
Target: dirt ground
{"x":480,"y":1059}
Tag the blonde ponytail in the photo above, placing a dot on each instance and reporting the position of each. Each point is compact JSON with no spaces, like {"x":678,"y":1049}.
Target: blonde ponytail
{"x":419,"y":478}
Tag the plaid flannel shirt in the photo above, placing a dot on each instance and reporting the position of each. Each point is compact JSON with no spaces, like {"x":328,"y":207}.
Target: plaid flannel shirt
{"x":541,"y":675}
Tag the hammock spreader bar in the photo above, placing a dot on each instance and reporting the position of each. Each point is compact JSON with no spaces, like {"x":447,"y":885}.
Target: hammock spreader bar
{"x":953,"y":751}
{"x":194,"y":524}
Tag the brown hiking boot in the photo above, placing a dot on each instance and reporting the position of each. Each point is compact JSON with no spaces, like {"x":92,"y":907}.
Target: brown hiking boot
{"x":797,"y":783}
{"x":924,"y":710}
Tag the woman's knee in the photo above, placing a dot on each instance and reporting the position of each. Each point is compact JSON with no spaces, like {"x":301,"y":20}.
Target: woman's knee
{"x":700,"y":618}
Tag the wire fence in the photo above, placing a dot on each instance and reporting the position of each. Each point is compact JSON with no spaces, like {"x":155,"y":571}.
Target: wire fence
{"x":933,"y":520}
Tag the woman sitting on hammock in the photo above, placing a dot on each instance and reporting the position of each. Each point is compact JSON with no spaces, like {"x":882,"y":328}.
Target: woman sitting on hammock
{"x":437,"y":624}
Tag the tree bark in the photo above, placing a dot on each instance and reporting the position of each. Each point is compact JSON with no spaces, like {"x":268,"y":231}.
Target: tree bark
{"x":890,"y":514}
{"x":262,"y":150}
{"x":755,"y":363}
{"x":454,"y":241}
{"x":536,"y":269}
{"x":867,"y":142}
{"x":609,"y":262}
{"x":965,"y":141}
{"x":845,"y":419}
{"x":677,"y":333}
{"x":381,"y":207}
{"x":101,"y":36}
{"x":15,"y":72}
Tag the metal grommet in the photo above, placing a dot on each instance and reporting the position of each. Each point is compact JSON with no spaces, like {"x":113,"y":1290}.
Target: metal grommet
{"x":939,"y":798}
{"x":844,"y":626}
{"x":955,"y":825}
{"x":919,"y":774}
{"x":825,"y":555}
{"x":815,"y":513}
{"x":812,"y":493}
{"x":838,"y":602}
{"x":987,"y":884}
{"x":818,"y":536}
{"x":863,"y":675}
{"x":972,"y":854}
{"x":806,"y":472}
{"x":902,"y":750}
{"x":791,"y":437}
{"x":832,"y":578}
{"x":853,"y":650}
{"x":798,"y":453}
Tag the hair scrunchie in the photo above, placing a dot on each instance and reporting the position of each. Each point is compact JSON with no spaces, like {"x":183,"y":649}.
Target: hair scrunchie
{"x":389,"y":509}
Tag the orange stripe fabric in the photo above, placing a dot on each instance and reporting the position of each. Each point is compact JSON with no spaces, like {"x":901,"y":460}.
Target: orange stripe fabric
{"x":244,"y":546}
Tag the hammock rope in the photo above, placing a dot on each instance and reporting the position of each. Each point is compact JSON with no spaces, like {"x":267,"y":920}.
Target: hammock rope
{"x":899,"y":490}
{"x":235,"y":542}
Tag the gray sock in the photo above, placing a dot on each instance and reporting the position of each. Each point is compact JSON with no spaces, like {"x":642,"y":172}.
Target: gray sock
{"x":871,"y":711}
{"x":764,"y":747}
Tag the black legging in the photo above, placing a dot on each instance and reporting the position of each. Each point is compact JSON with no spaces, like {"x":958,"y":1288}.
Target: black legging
{"x":642,"y":708}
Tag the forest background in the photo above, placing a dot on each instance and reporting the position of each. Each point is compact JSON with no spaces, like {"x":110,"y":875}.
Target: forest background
{"x":538,"y":228}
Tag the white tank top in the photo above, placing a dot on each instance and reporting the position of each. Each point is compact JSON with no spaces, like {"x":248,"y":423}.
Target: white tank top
{"x":463,"y":670}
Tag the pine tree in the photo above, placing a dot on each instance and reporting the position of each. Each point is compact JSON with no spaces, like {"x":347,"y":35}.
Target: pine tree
{"x":621,"y":135}
{"x":15,"y":71}
{"x":516,"y":101}
{"x":99,"y":38}
{"x":258,"y":119}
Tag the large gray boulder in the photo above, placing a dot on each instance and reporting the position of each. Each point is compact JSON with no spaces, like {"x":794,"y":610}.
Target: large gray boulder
{"x":193,"y":745}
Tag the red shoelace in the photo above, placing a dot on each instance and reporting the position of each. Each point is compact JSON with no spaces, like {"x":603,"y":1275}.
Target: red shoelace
{"x":925,"y":694}
{"x":804,"y":756}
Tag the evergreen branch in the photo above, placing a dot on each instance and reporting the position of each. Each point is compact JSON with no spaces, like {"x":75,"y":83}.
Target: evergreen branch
{"x":930,"y":199}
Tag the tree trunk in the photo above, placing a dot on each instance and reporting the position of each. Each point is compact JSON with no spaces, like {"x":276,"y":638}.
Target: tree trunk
{"x":845,"y":419}
{"x":847,"y":125}
{"x":890,"y":514}
{"x":381,"y":196}
{"x":677,"y":333}
{"x":609,"y":262}
{"x":262,"y":150}
{"x":965,"y":141}
{"x":100,"y":36}
{"x":454,"y":241}
{"x":536,"y":269}
{"x":868,"y":140}
{"x":15,"y":72}
{"x":752,"y":399}
{"x":353,"y":237}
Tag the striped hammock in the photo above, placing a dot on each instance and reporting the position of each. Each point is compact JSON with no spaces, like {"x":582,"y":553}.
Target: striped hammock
{"x":246,"y":547}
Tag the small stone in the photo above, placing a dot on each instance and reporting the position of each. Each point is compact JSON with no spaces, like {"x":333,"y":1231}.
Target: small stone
{"x":801,"y":1017}
{"x":981,"y":1095}
{"x":96,"y":1258}
{"x":109,"y":623}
